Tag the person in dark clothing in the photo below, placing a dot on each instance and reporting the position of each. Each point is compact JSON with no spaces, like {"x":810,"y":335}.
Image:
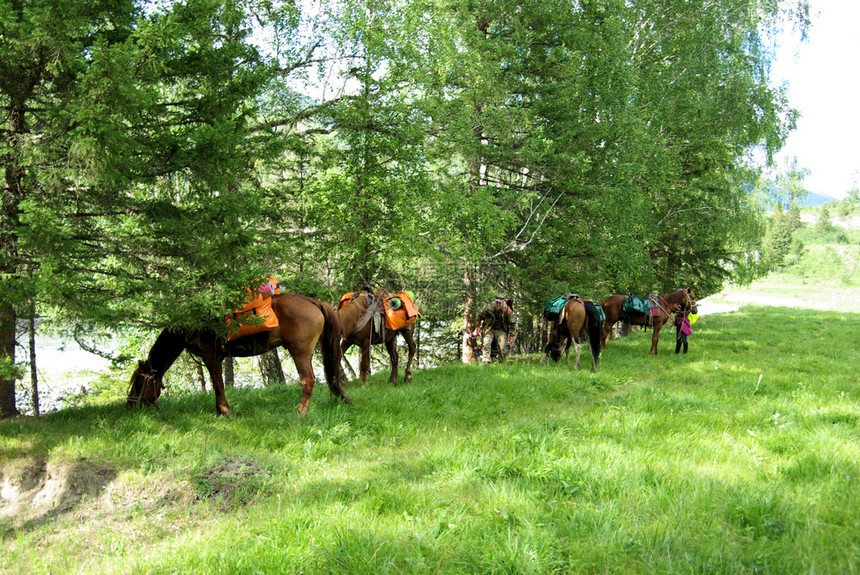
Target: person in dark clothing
{"x":498,"y":326}
{"x":682,"y":330}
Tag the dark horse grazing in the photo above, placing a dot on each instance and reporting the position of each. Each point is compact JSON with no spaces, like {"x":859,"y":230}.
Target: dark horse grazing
{"x":578,"y":316}
{"x":364,"y":317}
{"x":302,"y":323}
{"x":683,"y":299}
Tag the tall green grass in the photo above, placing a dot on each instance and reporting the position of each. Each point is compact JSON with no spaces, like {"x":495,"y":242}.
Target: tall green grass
{"x":741,"y":457}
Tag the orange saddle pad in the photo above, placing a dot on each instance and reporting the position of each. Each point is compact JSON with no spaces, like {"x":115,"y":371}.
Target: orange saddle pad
{"x":258,"y":305}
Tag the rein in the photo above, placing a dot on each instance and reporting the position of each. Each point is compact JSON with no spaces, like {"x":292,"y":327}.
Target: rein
{"x":691,"y":303}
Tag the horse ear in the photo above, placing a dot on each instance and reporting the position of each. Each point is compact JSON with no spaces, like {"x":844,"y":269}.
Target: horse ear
{"x":141,"y":364}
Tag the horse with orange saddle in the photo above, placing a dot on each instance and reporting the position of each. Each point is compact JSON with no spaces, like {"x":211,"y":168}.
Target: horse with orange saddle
{"x":373,"y":317}
{"x":268,"y":320}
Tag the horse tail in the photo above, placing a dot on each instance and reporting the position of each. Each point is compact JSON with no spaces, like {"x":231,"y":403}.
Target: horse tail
{"x":595,"y":329}
{"x":331,"y":351}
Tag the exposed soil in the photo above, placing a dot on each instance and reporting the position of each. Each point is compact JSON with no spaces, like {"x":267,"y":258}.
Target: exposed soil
{"x":34,"y":492}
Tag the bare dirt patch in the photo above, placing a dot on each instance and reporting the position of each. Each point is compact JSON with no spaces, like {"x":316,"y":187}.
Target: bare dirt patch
{"x":234,"y":481}
{"x":33,"y":492}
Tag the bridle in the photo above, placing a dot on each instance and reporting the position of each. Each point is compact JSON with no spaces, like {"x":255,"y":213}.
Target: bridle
{"x":691,"y":301}
{"x":150,"y":384}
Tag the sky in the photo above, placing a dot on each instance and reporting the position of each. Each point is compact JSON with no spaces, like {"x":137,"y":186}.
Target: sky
{"x":823,"y":79}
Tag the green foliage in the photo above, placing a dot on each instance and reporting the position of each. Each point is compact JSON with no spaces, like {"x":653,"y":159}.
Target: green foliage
{"x":780,"y":240}
{"x":823,"y":225}
{"x":527,"y":147}
{"x":741,"y":456}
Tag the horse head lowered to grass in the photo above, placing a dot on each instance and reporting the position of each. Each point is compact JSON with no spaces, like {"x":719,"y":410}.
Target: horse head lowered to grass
{"x":659,"y":312}
{"x":578,"y":317}
{"x":302,"y":323}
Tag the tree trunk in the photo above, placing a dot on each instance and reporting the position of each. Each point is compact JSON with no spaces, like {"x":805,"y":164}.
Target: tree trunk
{"x":12,"y":184}
{"x":468,"y":312}
{"x":270,"y":368}
{"x":201,"y":378}
{"x":544,"y":333}
{"x":7,"y":357}
{"x":227,"y":372}
{"x":34,"y":375}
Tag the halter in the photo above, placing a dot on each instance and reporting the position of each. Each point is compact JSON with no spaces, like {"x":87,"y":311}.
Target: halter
{"x":149,"y":383}
{"x":691,"y":302}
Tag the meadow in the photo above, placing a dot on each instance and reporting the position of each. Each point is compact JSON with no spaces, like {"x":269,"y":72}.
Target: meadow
{"x":741,"y":457}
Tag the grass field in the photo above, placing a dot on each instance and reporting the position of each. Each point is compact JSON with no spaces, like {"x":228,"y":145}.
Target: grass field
{"x":741,"y":457}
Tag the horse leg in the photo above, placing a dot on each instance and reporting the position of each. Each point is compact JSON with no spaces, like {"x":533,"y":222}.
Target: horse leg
{"x":578,"y":352}
{"x":343,"y":348}
{"x":306,"y":377}
{"x":567,"y":351}
{"x":216,"y":374}
{"x":607,"y":329}
{"x":655,"y":338}
{"x":394,"y":357}
{"x":364,"y":363}
{"x":410,"y":343}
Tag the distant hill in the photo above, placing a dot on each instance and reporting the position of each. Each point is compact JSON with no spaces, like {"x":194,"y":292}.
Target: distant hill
{"x":813,"y":199}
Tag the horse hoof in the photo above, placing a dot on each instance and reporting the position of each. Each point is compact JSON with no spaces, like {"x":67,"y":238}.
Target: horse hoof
{"x":224,"y":411}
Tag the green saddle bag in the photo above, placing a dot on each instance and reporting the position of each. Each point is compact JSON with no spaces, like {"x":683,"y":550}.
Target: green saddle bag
{"x":552,"y":309}
{"x":635,"y":305}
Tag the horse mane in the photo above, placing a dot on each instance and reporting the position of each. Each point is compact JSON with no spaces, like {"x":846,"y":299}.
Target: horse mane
{"x":381,"y":293}
{"x":681,"y":297}
{"x":167,"y":348}
{"x":353,"y":310}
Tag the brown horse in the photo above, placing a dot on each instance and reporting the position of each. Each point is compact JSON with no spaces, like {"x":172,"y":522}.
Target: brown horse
{"x":664,"y":306}
{"x":363,"y":323}
{"x":578,"y":317}
{"x":302,"y":323}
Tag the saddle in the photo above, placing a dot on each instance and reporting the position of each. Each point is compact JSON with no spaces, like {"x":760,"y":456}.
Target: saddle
{"x":393,"y":312}
{"x":637,"y":306}
{"x":553,"y":308}
{"x":373,"y":315}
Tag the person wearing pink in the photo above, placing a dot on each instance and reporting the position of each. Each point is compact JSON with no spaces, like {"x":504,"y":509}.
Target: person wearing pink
{"x":682,"y":330}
